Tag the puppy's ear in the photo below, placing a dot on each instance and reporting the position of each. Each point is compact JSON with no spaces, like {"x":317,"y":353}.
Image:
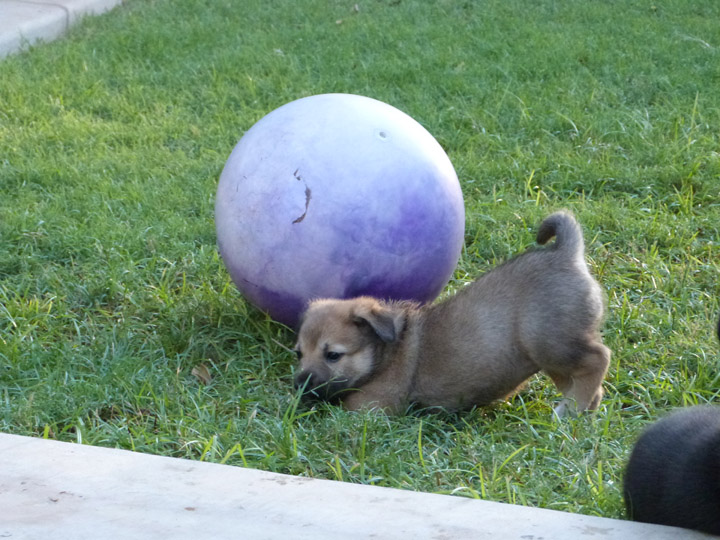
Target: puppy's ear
{"x":387,"y":322}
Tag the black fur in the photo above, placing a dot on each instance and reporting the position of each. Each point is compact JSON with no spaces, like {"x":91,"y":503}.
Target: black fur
{"x":673,"y":476}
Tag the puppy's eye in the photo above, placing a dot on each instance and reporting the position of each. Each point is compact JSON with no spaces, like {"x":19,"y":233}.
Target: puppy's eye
{"x":332,"y":356}
{"x":298,"y":352}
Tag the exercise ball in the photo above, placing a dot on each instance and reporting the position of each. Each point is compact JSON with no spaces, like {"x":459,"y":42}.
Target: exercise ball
{"x":338,"y":196}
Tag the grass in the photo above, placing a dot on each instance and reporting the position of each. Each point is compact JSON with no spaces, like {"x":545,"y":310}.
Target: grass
{"x":112,"y":291}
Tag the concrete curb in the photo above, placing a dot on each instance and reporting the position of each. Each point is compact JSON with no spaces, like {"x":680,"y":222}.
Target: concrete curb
{"x":50,"y":489}
{"x":26,"y":22}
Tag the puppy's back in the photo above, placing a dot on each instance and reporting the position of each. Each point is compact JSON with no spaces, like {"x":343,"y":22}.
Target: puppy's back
{"x":673,"y":476}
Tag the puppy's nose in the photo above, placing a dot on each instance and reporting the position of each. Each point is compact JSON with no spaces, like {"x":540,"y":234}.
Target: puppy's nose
{"x":306,"y":379}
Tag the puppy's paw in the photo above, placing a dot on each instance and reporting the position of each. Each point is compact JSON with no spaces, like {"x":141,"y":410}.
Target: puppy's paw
{"x":366,"y":401}
{"x":566,"y":407}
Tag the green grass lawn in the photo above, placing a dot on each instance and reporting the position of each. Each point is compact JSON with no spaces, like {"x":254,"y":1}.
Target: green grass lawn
{"x":112,"y":291}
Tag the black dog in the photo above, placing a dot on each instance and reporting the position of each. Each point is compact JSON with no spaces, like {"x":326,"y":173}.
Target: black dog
{"x":673,"y":476}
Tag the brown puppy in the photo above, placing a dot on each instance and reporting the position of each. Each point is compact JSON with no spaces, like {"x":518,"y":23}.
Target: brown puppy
{"x":539,"y":311}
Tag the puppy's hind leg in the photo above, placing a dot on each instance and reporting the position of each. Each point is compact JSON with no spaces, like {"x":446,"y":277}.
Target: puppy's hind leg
{"x":581,"y":385}
{"x":564,"y":384}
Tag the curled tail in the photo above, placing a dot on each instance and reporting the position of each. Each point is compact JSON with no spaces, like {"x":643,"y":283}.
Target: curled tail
{"x":566,"y":230}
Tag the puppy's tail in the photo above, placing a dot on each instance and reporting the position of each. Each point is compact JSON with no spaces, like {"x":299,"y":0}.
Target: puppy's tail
{"x":566,"y":230}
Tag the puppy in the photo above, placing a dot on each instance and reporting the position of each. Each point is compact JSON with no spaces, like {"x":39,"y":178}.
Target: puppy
{"x":538,"y":311}
{"x":673,"y":476}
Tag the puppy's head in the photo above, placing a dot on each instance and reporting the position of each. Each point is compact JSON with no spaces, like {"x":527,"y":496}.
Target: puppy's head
{"x":340,"y":343}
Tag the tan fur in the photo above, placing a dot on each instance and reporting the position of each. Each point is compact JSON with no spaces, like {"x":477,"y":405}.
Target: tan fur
{"x":539,"y":311}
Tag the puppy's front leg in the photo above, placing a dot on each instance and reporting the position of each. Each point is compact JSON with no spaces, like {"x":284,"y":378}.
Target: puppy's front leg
{"x":365,"y":400}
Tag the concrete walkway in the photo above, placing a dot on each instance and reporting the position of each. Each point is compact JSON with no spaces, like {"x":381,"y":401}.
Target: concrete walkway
{"x":57,"y":490}
{"x":25,"y":22}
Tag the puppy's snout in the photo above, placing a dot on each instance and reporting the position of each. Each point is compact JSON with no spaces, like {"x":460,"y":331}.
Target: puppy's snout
{"x":315,"y":386}
{"x":307,"y":380}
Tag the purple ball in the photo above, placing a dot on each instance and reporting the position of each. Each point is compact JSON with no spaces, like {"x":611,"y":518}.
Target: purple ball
{"x":337,"y":196}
